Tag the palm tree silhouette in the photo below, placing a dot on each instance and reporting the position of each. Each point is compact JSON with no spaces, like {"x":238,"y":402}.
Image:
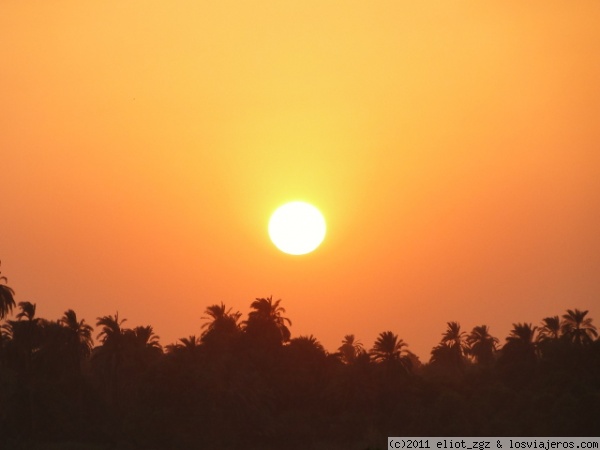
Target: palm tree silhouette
{"x":145,"y":338}
{"x":188,"y":344}
{"x":520,"y":344}
{"x":387,"y":347}
{"x":27,"y":311}
{"x":308,"y":344}
{"x":303,"y":361}
{"x":26,"y":340}
{"x":266,"y":308}
{"x":350,"y":349}
{"x":482,"y":344}
{"x":141,"y":347}
{"x":550,"y":329}
{"x":7,"y":297}
{"x":7,"y":303}
{"x":518,"y":358}
{"x":25,"y":333}
{"x":455,"y":338}
{"x":112,"y":329}
{"x":110,"y":353}
{"x":267,"y":320}
{"x":449,"y":354}
{"x":578,"y":328}
{"x":145,"y":341}
{"x":388,"y":352}
{"x":221,"y":320}
{"x":445,"y":356}
{"x":522,"y":333}
{"x":79,"y":335}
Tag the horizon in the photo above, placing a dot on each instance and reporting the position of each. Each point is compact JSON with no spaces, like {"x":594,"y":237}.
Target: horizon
{"x":207,"y":319}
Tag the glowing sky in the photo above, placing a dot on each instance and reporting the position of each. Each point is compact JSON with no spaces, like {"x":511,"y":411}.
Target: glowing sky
{"x":453,"y":148}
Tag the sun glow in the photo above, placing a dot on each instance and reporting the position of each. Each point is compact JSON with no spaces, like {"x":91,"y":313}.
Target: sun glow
{"x":297,"y":228}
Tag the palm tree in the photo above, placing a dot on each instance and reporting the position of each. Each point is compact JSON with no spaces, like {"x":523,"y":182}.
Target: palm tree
{"x":304,"y":361}
{"x":267,"y":320}
{"x":27,"y":311}
{"x":25,"y":333}
{"x":80,"y":335}
{"x":7,"y":303}
{"x":7,"y":300}
{"x":111,"y":328}
{"x":350,"y":349}
{"x":449,"y":354}
{"x":522,"y":333}
{"x":388,"y":350}
{"x":269,"y":309}
{"x":387,"y":347}
{"x":26,"y":341}
{"x":110,"y":354}
{"x":222,"y":320}
{"x":190,"y":344}
{"x":141,"y":347}
{"x":520,"y":344}
{"x":308,"y":344}
{"x":144,"y":340}
{"x":446,"y":357}
{"x":414,"y":363}
{"x":482,"y":344}
{"x":518,"y":358}
{"x":455,"y":338}
{"x":145,"y":337}
{"x":550,"y":329}
{"x":577,"y":328}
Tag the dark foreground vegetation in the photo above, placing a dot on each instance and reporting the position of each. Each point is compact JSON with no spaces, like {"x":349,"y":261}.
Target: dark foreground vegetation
{"x":248,"y":384}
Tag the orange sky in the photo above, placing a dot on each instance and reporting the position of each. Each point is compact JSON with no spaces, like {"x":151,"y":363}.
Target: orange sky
{"x":454,"y":150}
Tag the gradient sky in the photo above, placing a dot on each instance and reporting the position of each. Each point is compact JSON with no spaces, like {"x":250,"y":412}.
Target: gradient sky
{"x":454,"y":149}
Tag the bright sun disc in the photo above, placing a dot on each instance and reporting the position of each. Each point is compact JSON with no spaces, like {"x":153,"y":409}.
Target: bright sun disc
{"x":297,"y":228}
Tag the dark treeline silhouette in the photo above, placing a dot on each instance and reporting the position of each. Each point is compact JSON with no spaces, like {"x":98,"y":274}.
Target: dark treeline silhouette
{"x":250,"y":384}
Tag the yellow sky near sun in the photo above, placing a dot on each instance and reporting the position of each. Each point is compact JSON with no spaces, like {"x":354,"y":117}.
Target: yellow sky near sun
{"x":452,"y":147}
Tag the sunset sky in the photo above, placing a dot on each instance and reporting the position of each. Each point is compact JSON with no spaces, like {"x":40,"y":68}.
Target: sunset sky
{"x":453,"y":147}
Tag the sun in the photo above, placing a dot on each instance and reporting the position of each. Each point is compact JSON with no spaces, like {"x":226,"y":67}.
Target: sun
{"x":297,"y":228}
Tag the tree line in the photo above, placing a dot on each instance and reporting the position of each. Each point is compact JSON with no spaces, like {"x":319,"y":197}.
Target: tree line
{"x":249,"y":383}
